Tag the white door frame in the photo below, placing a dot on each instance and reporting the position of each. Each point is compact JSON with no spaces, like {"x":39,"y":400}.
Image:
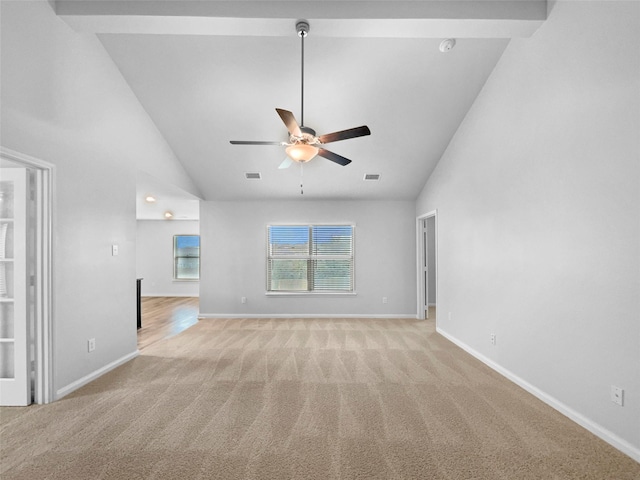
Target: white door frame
{"x":420,"y":261}
{"x":43,"y":196}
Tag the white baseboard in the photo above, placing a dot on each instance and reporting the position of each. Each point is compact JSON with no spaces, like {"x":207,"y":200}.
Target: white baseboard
{"x":93,"y":375}
{"x":303,"y":315}
{"x":595,"y":428}
{"x":168,"y":295}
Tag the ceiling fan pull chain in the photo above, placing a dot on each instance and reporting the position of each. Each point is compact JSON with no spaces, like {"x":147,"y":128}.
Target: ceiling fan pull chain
{"x":301,"y":175}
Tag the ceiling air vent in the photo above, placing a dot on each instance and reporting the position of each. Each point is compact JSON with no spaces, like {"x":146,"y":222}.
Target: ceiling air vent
{"x":372,"y":176}
{"x":253,"y":175}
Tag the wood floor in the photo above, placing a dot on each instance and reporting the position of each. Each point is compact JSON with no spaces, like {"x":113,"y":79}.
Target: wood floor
{"x":432,"y":313}
{"x":164,"y":317}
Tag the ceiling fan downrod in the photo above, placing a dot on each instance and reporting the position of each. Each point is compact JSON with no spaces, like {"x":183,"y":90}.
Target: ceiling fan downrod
{"x":302,"y":27}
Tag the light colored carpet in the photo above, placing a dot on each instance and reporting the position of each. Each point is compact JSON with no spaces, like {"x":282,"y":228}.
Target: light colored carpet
{"x":305,"y":399}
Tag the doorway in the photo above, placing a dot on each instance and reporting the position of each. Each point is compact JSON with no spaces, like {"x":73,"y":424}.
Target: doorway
{"x":25,"y":326}
{"x":427,"y":265}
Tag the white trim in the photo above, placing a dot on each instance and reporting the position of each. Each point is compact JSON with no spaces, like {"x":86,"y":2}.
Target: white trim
{"x":304,"y":315}
{"x":595,"y":428}
{"x":310,"y":224}
{"x":94,"y":375}
{"x":419,"y":250}
{"x":25,"y":159}
{"x":310,"y":294}
{"x":186,"y":295}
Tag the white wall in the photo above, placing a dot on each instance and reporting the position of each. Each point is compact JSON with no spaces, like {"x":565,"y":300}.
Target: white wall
{"x":65,"y":102}
{"x":154,"y":258}
{"x":233,"y":242}
{"x":538,"y":217}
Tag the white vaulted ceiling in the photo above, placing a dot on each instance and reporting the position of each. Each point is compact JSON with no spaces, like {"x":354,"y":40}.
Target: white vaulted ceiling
{"x":213,"y":71}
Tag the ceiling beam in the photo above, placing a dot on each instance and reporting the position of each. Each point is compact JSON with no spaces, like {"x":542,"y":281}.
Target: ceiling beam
{"x":332,"y":18}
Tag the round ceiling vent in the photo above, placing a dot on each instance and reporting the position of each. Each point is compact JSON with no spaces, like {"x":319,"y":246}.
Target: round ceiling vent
{"x":447,"y":44}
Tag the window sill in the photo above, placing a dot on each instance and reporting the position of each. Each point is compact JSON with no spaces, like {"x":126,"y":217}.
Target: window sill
{"x":310,"y":294}
{"x":191,"y":280}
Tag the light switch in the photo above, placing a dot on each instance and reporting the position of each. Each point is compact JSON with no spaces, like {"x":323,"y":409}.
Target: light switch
{"x":114,"y":250}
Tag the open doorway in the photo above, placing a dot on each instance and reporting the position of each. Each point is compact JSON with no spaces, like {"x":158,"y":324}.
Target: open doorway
{"x":427,"y":265}
{"x":167,"y":259}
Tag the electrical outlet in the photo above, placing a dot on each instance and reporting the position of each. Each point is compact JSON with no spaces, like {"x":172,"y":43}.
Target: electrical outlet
{"x":617,"y":395}
{"x":243,"y":299}
{"x":384,"y":299}
{"x":493,"y":339}
{"x":91,"y":344}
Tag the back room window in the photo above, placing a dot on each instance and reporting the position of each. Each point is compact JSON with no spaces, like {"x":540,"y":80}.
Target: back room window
{"x":186,"y":257}
{"x":310,"y":258}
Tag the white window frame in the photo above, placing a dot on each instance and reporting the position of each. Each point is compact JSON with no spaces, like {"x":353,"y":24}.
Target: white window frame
{"x":325,"y":293}
{"x":175,"y":269}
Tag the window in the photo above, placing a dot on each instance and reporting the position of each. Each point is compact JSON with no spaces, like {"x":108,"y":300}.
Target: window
{"x":186,"y":257}
{"x":310,"y":258}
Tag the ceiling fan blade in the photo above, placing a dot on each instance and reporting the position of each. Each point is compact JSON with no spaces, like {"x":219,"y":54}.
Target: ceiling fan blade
{"x":245,"y":142}
{"x":290,"y":121}
{"x":334,"y":157}
{"x":345,"y":134}
{"x":286,"y":163}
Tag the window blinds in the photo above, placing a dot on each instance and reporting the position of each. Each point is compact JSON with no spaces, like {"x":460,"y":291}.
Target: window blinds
{"x":310,"y":258}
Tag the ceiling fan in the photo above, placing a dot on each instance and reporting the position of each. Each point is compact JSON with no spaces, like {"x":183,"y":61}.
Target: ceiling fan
{"x":304,"y":144}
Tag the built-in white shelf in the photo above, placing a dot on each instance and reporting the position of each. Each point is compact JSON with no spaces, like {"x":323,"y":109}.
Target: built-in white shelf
{"x":14,"y":359}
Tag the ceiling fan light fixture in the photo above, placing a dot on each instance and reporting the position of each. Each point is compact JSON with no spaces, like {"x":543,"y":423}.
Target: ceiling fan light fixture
{"x":301,"y":152}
